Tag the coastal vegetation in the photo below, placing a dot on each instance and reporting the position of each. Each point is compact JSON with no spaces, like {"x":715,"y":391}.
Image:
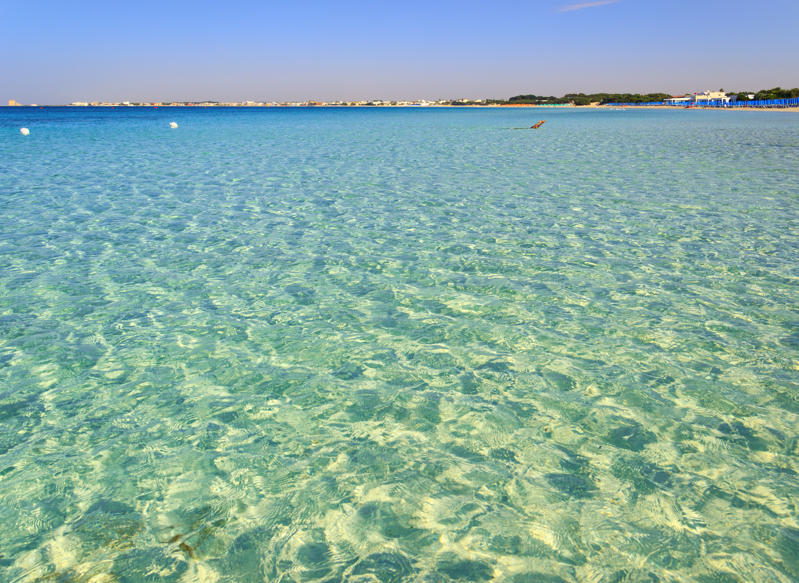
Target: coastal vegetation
{"x":775,"y":93}
{"x":603,"y":98}
{"x":587,"y":99}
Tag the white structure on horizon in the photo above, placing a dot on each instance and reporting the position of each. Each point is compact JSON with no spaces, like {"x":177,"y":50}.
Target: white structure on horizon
{"x":699,"y":98}
{"x":677,"y":100}
{"x":711,"y":96}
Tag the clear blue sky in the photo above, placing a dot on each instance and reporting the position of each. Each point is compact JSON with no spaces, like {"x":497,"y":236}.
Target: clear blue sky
{"x":58,"y":51}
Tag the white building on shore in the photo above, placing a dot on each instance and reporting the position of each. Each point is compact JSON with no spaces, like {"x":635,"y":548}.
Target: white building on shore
{"x":678,"y":100}
{"x":711,"y":96}
{"x":699,"y":98}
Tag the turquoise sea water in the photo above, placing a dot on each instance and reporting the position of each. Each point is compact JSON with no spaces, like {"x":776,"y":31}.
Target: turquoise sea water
{"x":399,"y":345}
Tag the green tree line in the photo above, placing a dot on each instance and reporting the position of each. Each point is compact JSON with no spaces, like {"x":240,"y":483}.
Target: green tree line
{"x":603,"y":98}
{"x":775,"y":93}
{"x":586,"y":99}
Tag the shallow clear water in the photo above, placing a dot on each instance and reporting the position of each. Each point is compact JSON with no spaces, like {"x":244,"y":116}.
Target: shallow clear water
{"x":399,"y":345}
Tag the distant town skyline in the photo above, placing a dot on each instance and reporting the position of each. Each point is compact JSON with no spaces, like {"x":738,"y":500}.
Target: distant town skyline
{"x":180,"y":51}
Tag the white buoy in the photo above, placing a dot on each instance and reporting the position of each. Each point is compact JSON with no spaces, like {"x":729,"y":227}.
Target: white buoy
{"x":173,"y":124}
{"x":24,"y":131}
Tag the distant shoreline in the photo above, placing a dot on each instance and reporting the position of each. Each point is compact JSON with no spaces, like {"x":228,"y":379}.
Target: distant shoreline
{"x":640,"y":107}
{"x":794,"y":109}
{"x":432,"y":106}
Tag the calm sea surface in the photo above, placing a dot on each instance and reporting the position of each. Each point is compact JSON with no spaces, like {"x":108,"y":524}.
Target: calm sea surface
{"x":398,"y":345}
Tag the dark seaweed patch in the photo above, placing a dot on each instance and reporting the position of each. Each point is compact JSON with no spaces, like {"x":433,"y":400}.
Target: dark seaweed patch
{"x":388,"y":523}
{"x":368,"y":511}
{"x":148,"y":565}
{"x":741,"y":434}
{"x":537,"y":578}
{"x":559,"y":380}
{"x":465,"y":453}
{"x":313,"y":554}
{"x":108,"y":522}
{"x":495,"y":366}
{"x":644,"y":476}
{"x":227,"y":416}
{"x":718,"y":577}
{"x":791,"y":341}
{"x":734,"y":499}
{"x":788,"y":547}
{"x":468,"y":384}
{"x":302,"y":295}
{"x":573,"y":463}
{"x":22,"y":408}
{"x":572,"y":485}
{"x":504,"y":454}
{"x":464,"y":569}
{"x":244,"y":555}
{"x":631,"y":436}
{"x":368,"y":404}
{"x":521,"y":409}
{"x":348,"y":371}
{"x":387,"y":567}
{"x":428,"y":408}
{"x":506,"y":545}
